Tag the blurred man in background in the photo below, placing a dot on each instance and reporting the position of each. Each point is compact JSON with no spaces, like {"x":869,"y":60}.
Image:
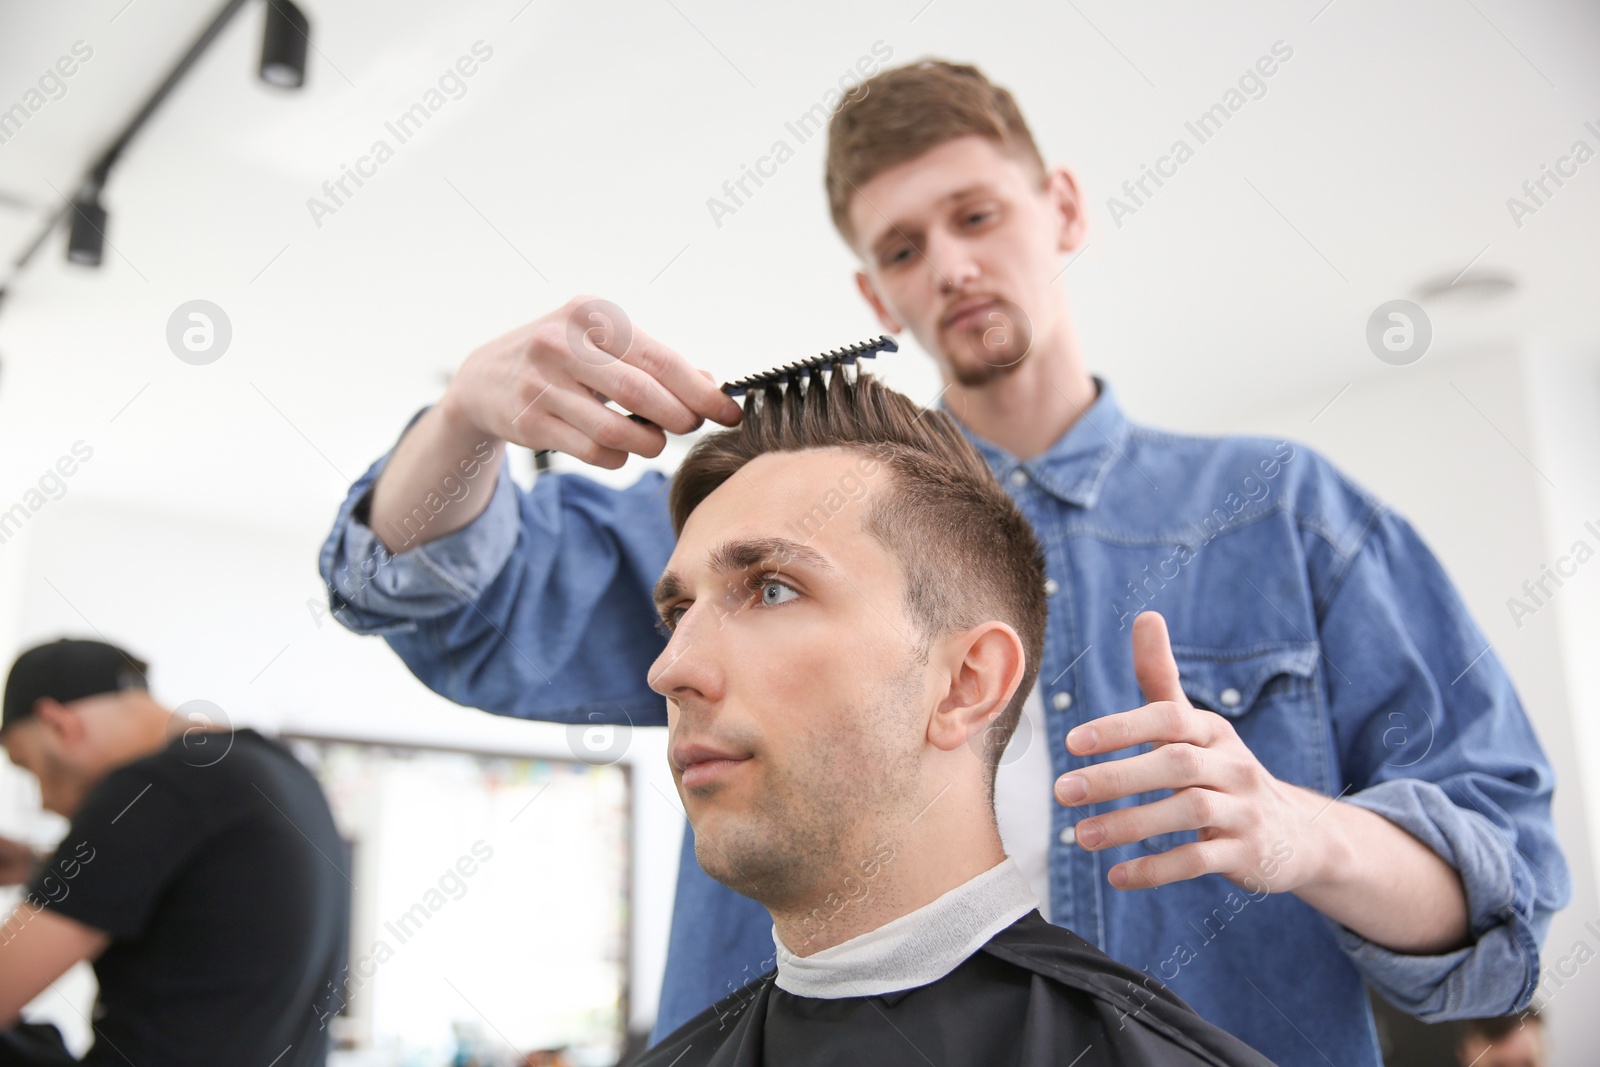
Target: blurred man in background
{"x":202,"y":876}
{"x":1504,"y":1041}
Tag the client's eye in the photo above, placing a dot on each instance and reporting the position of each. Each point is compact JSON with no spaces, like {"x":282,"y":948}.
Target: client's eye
{"x":771,"y":592}
{"x":667,"y":621}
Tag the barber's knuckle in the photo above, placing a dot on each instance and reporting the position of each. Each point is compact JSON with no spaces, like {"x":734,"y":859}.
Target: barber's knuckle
{"x":531,"y":383}
{"x":652,"y":359}
{"x":609,"y":435}
{"x":1187,"y":761}
{"x":1250,"y":774}
{"x":630,"y":390}
{"x":547,"y":339}
{"x":1180,"y":717}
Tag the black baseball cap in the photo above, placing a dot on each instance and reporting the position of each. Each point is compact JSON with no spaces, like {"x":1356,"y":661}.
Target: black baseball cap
{"x":68,"y":670}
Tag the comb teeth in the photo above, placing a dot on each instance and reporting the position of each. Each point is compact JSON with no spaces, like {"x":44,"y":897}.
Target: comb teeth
{"x":794,"y":373}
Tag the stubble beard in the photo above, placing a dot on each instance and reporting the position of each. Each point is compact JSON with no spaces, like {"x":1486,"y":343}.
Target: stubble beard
{"x":853,"y":790}
{"x":990,"y":349}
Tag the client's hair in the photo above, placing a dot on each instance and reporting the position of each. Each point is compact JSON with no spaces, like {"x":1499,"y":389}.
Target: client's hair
{"x":967,"y":553}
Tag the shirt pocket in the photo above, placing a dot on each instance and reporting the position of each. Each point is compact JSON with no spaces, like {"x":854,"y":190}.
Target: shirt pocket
{"x":1269,"y":694}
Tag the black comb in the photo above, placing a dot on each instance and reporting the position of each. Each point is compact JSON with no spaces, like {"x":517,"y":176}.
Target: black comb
{"x":792,"y":373}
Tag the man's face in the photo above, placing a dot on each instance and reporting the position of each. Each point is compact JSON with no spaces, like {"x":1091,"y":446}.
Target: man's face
{"x":70,"y":747}
{"x":796,"y":706}
{"x":34,"y":747}
{"x":960,"y":246}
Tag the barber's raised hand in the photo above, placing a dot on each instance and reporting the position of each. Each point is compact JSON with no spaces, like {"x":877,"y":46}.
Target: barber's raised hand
{"x":1253,"y":829}
{"x":545,"y":386}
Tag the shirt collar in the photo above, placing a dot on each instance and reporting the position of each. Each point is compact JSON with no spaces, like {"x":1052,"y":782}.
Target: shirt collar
{"x":1075,"y":467}
{"x":919,"y":947}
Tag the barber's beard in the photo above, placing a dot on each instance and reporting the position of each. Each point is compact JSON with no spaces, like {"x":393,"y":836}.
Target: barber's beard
{"x":854,"y":790}
{"x":990,"y":349}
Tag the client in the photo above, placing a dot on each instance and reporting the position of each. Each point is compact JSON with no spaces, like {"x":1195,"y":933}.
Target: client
{"x":856,"y":611}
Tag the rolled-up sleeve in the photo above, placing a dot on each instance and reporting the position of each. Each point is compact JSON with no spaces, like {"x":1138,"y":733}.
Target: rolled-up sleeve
{"x":373,"y":591}
{"x":540,"y":607}
{"x":1432,"y":736}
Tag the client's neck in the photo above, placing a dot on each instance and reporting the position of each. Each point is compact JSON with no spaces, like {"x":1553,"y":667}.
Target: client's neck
{"x":878,"y":878}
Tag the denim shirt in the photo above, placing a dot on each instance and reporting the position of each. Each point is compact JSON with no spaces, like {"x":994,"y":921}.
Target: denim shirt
{"x":1300,"y":608}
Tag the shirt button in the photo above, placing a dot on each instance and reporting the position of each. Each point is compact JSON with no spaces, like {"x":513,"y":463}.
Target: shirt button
{"x":1067,"y":836}
{"x":1050,"y":587}
{"x":1230,"y":696}
{"x":1019,"y":477}
{"x":1062,"y":700}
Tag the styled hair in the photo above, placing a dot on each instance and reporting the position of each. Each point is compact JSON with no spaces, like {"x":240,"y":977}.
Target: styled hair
{"x":966,"y":552}
{"x":900,"y":113}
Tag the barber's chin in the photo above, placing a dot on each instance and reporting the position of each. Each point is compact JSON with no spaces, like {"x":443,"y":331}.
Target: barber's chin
{"x":973,"y":369}
{"x":975,"y":358}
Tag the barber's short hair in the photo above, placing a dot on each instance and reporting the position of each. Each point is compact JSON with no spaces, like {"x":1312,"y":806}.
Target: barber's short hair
{"x":967,"y":552}
{"x":898,"y":114}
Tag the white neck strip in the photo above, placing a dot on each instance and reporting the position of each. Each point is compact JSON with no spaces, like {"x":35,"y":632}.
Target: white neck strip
{"x":917,"y":948}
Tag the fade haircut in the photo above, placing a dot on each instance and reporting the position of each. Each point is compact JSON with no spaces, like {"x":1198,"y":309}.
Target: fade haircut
{"x":898,"y":114}
{"x":966,"y":552}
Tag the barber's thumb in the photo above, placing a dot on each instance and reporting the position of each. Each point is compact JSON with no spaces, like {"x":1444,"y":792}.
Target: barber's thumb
{"x":1153,"y":664}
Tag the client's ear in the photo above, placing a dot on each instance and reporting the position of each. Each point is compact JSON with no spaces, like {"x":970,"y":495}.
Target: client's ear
{"x":985,"y":665}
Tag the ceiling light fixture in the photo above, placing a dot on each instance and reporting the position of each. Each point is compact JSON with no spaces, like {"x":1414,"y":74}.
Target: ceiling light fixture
{"x":284,"y":40}
{"x":86,"y":237}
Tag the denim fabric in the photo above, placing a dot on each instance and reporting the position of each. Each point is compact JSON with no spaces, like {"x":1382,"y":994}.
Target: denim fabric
{"x":1300,"y":608}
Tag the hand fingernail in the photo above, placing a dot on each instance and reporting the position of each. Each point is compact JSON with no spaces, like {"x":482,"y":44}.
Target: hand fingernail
{"x":1088,"y":835}
{"x":1072,"y":789}
{"x":1119,"y":877}
{"x":1081,"y":738}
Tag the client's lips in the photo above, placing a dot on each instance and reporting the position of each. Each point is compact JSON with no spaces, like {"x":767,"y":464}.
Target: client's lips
{"x":700,"y":764}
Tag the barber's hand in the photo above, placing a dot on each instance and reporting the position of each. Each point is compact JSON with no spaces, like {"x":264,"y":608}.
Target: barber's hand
{"x":17,"y":862}
{"x":544,"y":386}
{"x":1254,"y":830}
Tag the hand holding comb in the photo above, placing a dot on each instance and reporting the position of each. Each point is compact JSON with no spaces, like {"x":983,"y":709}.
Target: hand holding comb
{"x":793,"y":374}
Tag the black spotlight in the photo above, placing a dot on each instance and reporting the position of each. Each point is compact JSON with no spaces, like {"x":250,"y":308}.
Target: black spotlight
{"x":283,"y":45}
{"x":86,"y":240}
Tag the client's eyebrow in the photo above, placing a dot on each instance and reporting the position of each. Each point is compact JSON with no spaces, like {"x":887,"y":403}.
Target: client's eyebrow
{"x":731,"y":556}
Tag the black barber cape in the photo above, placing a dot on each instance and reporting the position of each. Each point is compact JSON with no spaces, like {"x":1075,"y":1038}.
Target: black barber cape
{"x":1035,"y":994}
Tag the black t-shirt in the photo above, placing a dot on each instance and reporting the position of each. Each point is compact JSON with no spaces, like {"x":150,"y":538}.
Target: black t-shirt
{"x":216,"y":870}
